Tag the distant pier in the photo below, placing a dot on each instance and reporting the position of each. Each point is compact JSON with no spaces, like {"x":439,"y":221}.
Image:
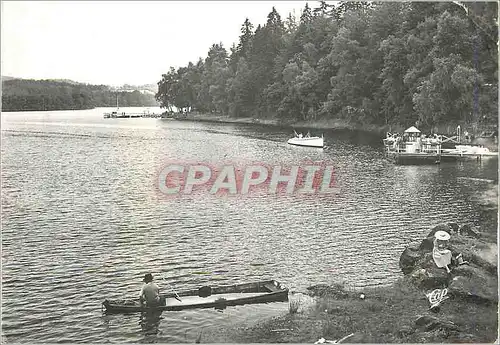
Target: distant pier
{"x":126,"y":115}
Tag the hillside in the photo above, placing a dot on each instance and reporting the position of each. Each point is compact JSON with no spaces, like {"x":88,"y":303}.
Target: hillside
{"x":152,"y":88}
{"x":33,"y":95}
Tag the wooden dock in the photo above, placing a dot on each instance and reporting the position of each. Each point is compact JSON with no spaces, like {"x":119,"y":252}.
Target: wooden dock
{"x":405,"y":158}
{"x":125,"y":115}
{"x":413,"y":148}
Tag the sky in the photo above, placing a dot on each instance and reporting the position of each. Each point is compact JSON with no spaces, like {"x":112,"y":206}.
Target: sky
{"x":120,"y":42}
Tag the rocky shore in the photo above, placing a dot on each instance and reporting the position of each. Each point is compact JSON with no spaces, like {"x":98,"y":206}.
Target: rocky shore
{"x":477,"y":279}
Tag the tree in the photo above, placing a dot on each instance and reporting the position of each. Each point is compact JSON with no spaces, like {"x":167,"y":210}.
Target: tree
{"x":322,"y":9}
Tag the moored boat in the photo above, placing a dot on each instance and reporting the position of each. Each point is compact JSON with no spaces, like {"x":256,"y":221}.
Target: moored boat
{"x":413,"y":148}
{"x":207,"y":297}
{"x":117,"y":114}
{"x":467,"y":150}
{"x":488,"y":139}
{"x":307,"y":140}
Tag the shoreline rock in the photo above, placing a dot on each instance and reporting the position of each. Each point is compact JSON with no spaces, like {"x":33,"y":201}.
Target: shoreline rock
{"x":476,"y":280}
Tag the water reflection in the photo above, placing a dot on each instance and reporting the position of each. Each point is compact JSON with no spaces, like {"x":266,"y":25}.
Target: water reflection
{"x":80,"y":208}
{"x":150,"y":325}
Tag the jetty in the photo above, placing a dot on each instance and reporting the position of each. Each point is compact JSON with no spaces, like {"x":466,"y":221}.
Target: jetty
{"x":412,"y":147}
{"x":117,"y":114}
{"x":123,"y":115}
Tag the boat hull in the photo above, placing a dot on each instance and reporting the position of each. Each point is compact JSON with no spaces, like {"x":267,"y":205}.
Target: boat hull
{"x":308,"y":142}
{"x":471,"y":150}
{"x":219,"y":297}
{"x":404,"y":158}
{"x":414,"y":159}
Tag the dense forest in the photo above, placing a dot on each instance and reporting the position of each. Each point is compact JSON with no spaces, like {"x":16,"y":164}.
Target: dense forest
{"x":26,"y":95}
{"x":404,"y":63}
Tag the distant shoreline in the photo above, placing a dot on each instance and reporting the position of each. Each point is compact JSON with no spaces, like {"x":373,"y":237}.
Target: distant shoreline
{"x":72,"y":109}
{"x":47,"y":95}
{"x":319,"y":124}
{"x":322,"y":124}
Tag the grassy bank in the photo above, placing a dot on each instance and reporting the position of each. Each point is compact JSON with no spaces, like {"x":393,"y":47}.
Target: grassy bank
{"x":384,"y":315}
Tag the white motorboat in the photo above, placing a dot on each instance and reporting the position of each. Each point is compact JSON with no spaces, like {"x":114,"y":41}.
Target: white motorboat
{"x":307,"y":140}
{"x":471,"y":150}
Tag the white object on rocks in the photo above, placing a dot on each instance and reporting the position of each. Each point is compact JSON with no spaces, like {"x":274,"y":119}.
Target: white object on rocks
{"x":442,"y":235}
{"x":436,"y":297}
{"x":323,"y":340}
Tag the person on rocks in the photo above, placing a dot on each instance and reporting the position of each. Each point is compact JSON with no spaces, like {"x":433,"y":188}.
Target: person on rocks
{"x":441,"y":254}
{"x":150,"y":293}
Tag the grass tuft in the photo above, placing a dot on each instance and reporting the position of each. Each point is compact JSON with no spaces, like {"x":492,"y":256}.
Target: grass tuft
{"x":198,"y":338}
{"x":294,"y":305}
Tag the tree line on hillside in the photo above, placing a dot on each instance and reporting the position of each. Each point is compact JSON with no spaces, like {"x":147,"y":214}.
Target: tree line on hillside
{"x":365,"y":63}
{"x":34,"y":95}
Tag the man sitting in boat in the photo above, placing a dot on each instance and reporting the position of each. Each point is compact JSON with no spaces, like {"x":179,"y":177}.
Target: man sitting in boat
{"x":150,"y":293}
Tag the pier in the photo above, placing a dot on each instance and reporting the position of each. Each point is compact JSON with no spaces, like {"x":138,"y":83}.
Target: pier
{"x":125,"y":115}
{"x":412,"y":148}
{"x":435,"y":158}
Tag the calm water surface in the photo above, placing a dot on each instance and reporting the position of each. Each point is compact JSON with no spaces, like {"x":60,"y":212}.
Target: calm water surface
{"x":82,"y":221}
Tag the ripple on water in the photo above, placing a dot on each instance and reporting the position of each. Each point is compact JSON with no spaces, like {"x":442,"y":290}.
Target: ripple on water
{"x":82,"y":221}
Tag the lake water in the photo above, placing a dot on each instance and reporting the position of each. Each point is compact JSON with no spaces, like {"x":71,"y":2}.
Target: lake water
{"x":83,"y":220}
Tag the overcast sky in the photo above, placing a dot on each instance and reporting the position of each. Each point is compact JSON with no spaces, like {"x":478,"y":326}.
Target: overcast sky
{"x":115,"y":42}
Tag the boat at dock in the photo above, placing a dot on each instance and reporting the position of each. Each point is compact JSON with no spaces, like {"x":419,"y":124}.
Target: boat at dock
{"x":117,"y":114}
{"x":307,"y":140}
{"x":413,"y":148}
{"x":120,"y":115}
{"x":124,"y":115}
{"x":465,"y":150}
{"x":218,"y":297}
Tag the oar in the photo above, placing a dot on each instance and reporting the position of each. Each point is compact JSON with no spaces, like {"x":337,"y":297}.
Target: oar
{"x":176,"y":294}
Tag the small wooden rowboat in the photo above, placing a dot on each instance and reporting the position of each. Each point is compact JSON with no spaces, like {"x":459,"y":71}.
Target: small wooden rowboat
{"x":207,"y":297}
